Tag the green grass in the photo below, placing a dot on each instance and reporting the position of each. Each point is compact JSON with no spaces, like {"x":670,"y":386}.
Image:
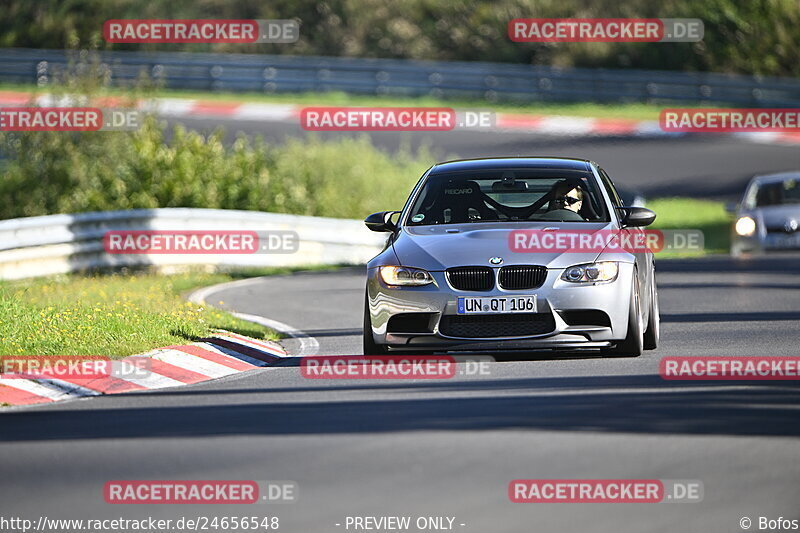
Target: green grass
{"x":687,"y":213}
{"x":113,"y":315}
{"x":636,"y":111}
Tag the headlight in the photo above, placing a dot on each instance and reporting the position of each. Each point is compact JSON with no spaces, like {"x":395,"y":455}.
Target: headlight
{"x":592,"y":272}
{"x":397,"y":275}
{"x":745,"y":226}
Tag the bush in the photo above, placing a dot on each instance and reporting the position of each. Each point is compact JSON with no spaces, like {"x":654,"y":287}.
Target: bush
{"x":56,"y":172}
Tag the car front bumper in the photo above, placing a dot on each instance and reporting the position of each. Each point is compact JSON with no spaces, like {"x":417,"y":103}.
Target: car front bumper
{"x":770,"y":242}
{"x":561,"y":306}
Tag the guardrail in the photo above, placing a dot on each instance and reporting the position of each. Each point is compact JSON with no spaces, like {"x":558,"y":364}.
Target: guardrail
{"x":482,"y":80}
{"x":57,"y":244}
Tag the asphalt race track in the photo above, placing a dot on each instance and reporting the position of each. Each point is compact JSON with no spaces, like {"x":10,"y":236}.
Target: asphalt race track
{"x":450,"y":447}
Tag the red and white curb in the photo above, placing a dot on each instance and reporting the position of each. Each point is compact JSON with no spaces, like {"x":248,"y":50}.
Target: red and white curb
{"x":578,"y":126}
{"x":222,"y":355}
{"x":552,"y":125}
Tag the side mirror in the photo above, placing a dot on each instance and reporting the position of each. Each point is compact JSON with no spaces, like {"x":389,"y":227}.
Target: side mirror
{"x":731,"y":208}
{"x":381,"y":221}
{"x":636,"y":217}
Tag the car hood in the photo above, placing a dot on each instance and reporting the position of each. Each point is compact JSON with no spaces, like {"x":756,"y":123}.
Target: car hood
{"x":436,"y":248}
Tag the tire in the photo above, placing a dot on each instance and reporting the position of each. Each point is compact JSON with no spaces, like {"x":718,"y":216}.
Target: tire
{"x":652,"y":334}
{"x":370,"y":346}
{"x":633,"y":345}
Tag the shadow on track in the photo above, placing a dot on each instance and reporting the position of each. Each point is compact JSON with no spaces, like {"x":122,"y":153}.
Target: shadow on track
{"x":642,"y":404}
{"x":750,"y":316}
{"x":784,"y":263}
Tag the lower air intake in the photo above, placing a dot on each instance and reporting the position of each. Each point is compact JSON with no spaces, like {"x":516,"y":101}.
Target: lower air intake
{"x":505,"y":325}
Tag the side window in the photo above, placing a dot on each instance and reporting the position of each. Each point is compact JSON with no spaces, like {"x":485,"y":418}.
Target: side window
{"x":612,"y":192}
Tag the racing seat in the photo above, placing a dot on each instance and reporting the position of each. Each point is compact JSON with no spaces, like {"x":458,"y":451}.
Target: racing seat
{"x":587,"y":210}
{"x":462,"y":197}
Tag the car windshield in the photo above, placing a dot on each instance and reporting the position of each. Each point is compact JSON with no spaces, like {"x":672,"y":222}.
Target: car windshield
{"x":508,"y":196}
{"x":777,"y":193}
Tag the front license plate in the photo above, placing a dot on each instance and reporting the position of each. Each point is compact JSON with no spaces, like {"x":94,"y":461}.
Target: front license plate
{"x":502,"y":304}
{"x":786,"y":242}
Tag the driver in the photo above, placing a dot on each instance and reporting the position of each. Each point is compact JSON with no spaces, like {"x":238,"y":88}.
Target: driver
{"x":567,"y":196}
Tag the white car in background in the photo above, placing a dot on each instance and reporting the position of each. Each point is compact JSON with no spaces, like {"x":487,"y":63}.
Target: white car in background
{"x":768,"y":217}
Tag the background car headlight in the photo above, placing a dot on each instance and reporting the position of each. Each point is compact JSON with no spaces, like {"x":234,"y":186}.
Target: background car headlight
{"x":397,"y":275}
{"x":745,"y":226}
{"x":591,"y":272}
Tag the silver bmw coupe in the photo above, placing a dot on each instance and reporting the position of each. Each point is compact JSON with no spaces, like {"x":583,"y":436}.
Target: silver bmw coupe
{"x":461,"y":270}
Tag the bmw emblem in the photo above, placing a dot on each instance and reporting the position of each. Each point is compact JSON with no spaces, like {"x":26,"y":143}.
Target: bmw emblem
{"x":496,"y":260}
{"x":790,"y":226}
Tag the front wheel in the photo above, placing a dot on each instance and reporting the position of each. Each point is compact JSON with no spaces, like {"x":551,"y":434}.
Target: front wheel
{"x":653,"y":332}
{"x":370,"y":346}
{"x":633,"y":345}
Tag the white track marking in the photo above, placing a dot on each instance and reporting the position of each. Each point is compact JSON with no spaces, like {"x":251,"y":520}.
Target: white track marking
{"x":308,"y":344}
{"x":201,"y":296}
{"x":266,"y":112}
{"x":566,"y":125}
{"x":175,"y":107}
